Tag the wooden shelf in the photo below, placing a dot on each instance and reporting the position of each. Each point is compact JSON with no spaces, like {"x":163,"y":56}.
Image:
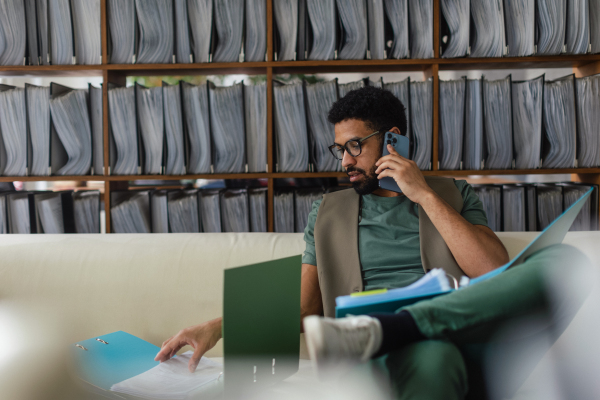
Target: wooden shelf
{"x":281,"y":67}
{"x":52,"y":70}
{"x":582,"y":65}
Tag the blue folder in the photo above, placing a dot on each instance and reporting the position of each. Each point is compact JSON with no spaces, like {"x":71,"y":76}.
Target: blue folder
{"x":105,"y":360}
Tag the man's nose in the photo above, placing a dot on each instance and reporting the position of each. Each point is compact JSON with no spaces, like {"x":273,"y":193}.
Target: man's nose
{"x":348,"y":160}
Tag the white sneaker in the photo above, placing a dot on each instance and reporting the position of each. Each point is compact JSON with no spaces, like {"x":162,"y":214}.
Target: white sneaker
{"x":332,"y":342}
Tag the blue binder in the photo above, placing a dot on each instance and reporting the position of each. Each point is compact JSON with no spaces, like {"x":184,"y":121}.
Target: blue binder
{"x":105,"y":360}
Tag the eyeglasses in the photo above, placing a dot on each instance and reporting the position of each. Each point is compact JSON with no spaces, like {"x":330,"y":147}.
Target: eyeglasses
{"x":353,"y":147}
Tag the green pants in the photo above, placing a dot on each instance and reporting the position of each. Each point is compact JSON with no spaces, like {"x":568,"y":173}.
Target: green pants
{"x":459,"y":325}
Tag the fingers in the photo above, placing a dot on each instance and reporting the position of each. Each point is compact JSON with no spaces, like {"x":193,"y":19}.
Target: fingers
{"x":169,"y":349}
{"x":195,"y":359}
{"x":166,"y":341}
{"x":389,"y":164}
{"x":393,"y":155}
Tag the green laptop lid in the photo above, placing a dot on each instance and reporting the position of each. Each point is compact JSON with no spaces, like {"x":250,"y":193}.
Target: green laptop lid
{"x":261,"y":323}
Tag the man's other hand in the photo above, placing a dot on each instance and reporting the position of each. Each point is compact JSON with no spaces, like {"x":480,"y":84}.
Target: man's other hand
{"x":201,"y":337}
{"x":406,"y":173}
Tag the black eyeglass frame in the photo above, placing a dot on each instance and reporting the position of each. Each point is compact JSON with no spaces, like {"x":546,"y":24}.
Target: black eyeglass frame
{"x":345,"y":146}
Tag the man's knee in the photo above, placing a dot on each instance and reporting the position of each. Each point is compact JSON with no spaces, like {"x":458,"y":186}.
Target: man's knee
{"x":428,"y":369}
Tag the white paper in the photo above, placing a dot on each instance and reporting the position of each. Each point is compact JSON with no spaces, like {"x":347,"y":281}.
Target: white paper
{"x":171,"y":379}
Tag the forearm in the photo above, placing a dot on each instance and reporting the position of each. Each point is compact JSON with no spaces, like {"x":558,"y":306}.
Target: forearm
{"x":476,"y":250}
{"x":310,"y":292}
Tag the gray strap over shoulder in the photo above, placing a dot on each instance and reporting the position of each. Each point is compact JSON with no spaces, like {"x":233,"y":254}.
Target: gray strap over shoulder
{"x":434,"y":251}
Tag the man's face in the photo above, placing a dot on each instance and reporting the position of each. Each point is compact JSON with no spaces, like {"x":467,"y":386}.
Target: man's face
{"x":360,"y":169}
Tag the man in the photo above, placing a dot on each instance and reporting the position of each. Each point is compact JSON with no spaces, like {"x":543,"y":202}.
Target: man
{"x":370,"y":238}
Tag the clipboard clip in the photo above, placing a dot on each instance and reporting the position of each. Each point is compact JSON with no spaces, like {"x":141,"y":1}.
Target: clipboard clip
{"x":456,"y":285}
{"x":81,"y":347}
{"x":101,"y":341}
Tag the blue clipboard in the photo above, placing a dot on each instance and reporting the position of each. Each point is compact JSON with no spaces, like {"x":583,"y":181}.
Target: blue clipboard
{"x":105,"y":360}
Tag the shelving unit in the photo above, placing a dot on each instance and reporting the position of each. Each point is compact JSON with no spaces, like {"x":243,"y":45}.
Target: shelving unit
{"x":582,"y":65}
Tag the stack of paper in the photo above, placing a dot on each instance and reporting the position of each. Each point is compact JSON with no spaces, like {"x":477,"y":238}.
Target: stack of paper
{"x":497,"y":117}
{"x":171,"y":379}
{"x":175,"y":150}
{"x":491,"y":198}
{"x":257,"y":204}
{"x":551,"y":20}
{"x":520,"y":27}
{"x":149,"y":104}
{"x":201,"y":26}
{"x":473,"y":139}
{"x":197,"y":122}
{"x":527,"y":122}
{"x":354,"y":40}
{"x":452,"y":116}
{"x":210,"y":211}
{"x":323,"y":20}
{"x":256,"y":33}
{"x":588,"y":121}
{"x":229,"y":23}
{"x":183,"y":211}
{"x":421,"y":28}
{"x":397,"y":13}
{"x":488,"y":23}
{"x":455,"y":24}
{"x":421,"y":109}
{"x":255,"y":109}
{"x":303,"y":202}
{"x":290,"y":128}
{"x":155,"y":19}
{"x":121,"y":26}
{"x":319,"y":98}
{"x":130,"y":212}
{"x":234,"y":210}
{"x":559,"y":123}
{"x":283,"y":203}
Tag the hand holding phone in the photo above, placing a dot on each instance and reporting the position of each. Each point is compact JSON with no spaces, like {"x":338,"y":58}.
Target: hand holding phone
{"x":402,"y":145}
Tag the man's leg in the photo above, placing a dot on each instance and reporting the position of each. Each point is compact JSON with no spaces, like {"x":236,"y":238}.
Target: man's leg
{"x":474,"y":314}
{"x":428,"y":370}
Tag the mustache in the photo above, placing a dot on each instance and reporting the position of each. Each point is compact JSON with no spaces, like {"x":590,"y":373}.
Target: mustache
{"x":354,"y":169}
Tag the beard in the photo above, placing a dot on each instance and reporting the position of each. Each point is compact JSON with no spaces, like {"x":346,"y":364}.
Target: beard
{"x":368,"y":184}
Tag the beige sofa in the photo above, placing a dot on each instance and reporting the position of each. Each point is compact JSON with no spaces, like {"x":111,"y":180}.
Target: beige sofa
{"x":153,"y":285}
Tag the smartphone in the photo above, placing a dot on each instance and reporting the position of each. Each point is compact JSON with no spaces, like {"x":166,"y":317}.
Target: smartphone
{"x":401,"y":145}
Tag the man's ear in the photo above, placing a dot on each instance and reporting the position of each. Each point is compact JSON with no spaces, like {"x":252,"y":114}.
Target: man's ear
{"x":395,"y":130}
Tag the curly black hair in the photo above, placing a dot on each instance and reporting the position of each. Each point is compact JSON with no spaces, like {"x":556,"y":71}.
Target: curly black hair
{"x":379,"y":109}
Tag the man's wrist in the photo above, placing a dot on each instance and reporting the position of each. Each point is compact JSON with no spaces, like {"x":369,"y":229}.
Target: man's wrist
{"x":427,"y":199}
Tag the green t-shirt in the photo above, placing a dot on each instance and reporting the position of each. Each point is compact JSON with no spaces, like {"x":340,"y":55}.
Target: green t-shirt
{"x":388,"y":237}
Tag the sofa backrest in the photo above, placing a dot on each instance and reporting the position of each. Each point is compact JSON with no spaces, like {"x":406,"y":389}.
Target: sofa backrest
{"x":153,"y":285}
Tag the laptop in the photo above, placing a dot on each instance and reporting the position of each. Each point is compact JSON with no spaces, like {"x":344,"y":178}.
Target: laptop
{"x":261,"y":325}
{"x":552,"y":235}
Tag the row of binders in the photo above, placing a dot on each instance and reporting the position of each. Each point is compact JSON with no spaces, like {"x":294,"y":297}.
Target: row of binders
{"x":186,"y":31}
{"x":303,"y":133}
{"x":209,"y":210}
{"x":353,"y":29}
{"x":50,"y":212}
{"x":188,"y":129}
{"x":51,"y":130}
{"x":504,"y":124}
{"x":532,"y":207}
{"x":44,"y":32}
{"x":189,"y":210}
{"x":514,"y":28}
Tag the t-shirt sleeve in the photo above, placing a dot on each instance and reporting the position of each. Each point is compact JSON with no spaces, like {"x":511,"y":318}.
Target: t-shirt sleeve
{"x":472,"y":209}
{"x":310,"y":254}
